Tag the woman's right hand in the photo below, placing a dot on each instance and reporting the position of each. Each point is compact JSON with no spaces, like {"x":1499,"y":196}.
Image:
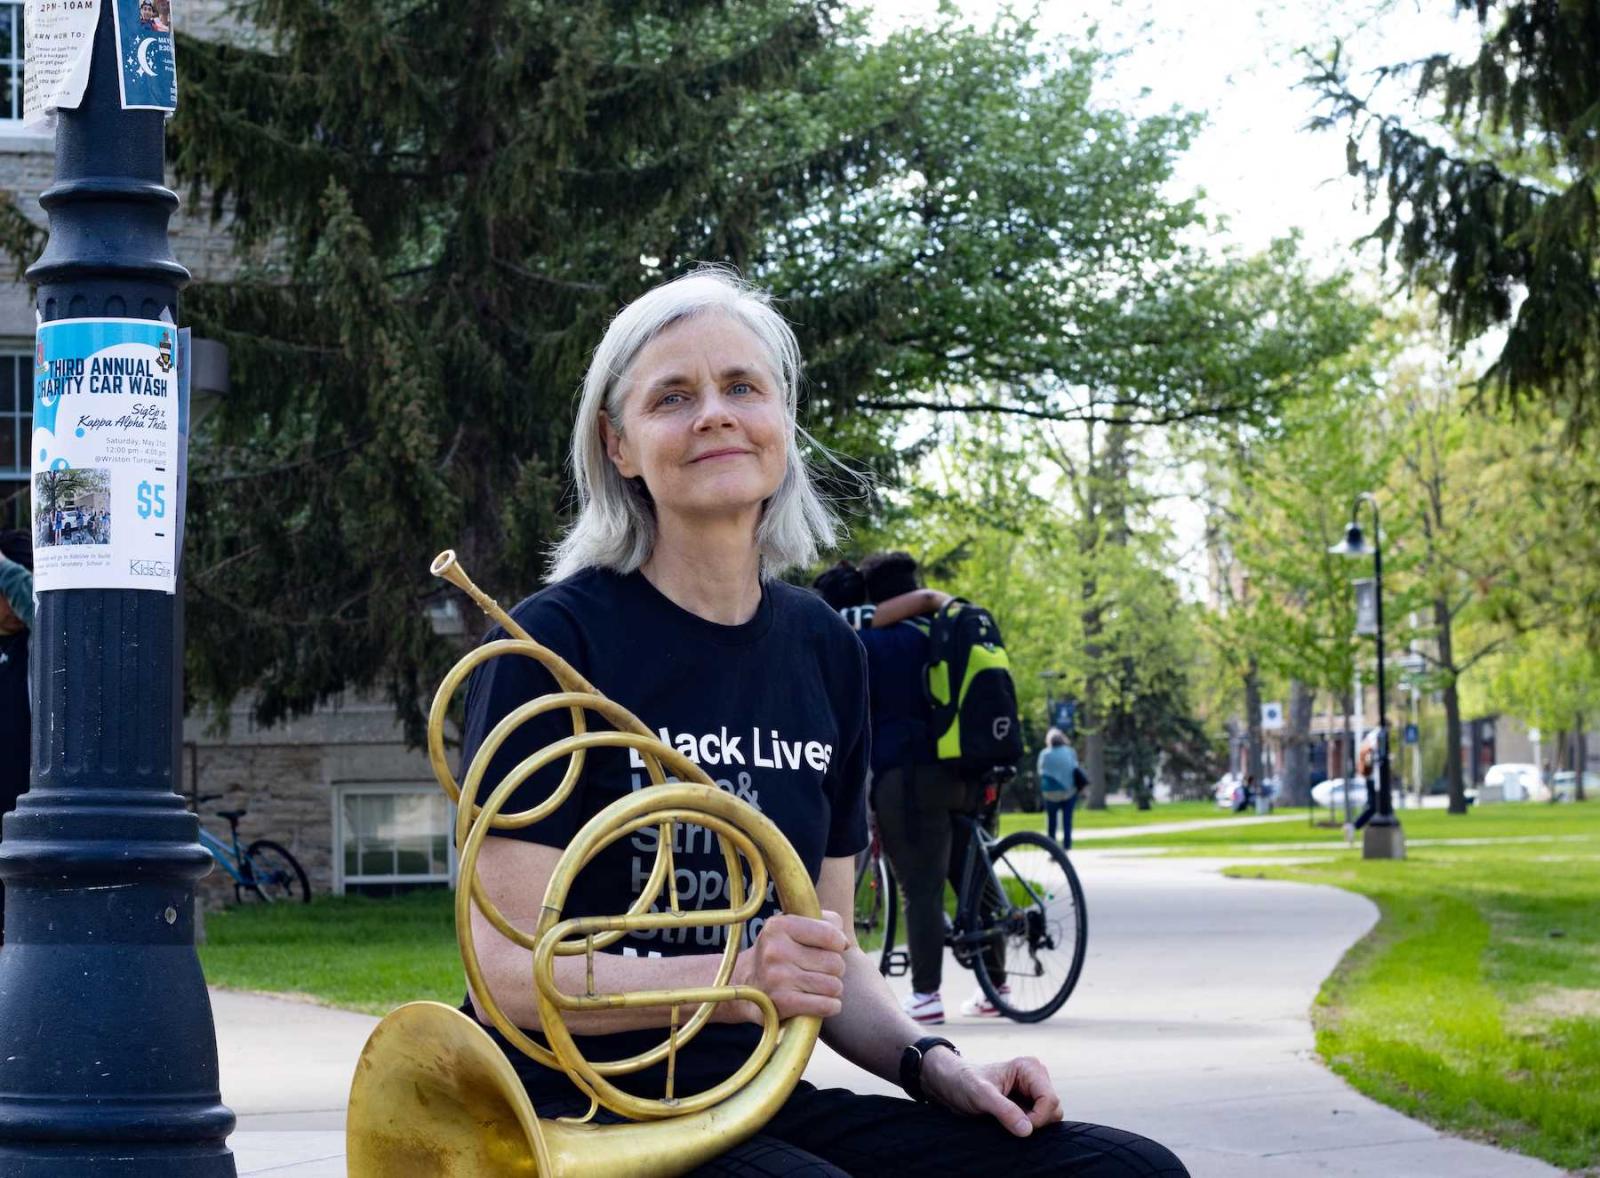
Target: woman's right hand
{"x":796,"y":961}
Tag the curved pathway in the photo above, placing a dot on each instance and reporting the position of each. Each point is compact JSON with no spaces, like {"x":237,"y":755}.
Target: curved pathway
{"x":1190,"y":1025}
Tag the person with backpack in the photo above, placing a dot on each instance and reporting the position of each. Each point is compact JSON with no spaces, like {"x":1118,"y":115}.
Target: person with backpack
{"x":1059,"y":782}
{"x":930,"y":748}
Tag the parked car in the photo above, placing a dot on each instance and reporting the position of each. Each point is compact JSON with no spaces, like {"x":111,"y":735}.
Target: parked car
{"x":1230,"y":787}
{"x":1517,"y":782}
{"x":1564,"y":781}
{"x":1331,"y":793}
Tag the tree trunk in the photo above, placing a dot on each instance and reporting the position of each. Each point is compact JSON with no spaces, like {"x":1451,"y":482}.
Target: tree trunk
{"x":1093,"y":764}
{"x":1252,"y":724}
{"x":1580,"y":756}
{"x":1296,"y":775}
{"x":1452,"y":709}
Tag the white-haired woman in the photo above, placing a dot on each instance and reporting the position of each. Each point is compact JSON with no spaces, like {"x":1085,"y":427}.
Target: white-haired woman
{"x":692,"y":494}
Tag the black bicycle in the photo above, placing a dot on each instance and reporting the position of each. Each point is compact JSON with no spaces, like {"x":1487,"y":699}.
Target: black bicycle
{"x":1020,"y":922}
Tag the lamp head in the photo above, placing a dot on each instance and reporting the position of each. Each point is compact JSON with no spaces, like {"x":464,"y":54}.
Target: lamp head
{"x":1354,"y":543}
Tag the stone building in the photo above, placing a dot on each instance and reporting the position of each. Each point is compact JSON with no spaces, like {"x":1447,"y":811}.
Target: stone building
{"x":339,"y":788}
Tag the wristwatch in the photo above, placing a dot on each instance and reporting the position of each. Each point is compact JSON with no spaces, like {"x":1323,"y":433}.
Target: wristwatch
{"x":911,"y":1065}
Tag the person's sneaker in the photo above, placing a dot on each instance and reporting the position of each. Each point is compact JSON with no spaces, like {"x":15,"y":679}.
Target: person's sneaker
{"x":924,"y":1008}
{"x":979,"y":1006}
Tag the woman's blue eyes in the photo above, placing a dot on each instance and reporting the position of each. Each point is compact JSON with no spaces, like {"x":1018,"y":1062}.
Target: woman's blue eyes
{"x":742,"y":388}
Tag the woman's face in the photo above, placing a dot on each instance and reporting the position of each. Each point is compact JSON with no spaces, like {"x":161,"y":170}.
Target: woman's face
{"x":703,"y":420}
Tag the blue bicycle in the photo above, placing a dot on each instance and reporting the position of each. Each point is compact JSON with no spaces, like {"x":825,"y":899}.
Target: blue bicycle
{"x":263,"y":871}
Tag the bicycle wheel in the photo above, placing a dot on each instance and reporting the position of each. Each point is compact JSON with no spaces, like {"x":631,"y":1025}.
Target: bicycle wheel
{"x":869,"y":891}
{"x":1033,"y":924}
{"x":891,"y":923}
{"x":275,"y":874}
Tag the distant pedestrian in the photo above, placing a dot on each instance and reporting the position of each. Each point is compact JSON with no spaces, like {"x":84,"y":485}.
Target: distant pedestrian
{"x":1059,"y":778}
{"x":16,"y":709}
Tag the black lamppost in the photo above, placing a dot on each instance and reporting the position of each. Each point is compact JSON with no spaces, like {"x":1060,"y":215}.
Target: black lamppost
{"x":110,"y":1059}
{"x":1381,"y":837}
{"x":1050,"y":679}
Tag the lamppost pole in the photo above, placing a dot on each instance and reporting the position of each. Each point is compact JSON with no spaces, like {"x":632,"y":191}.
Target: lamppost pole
{"x":110,"y":1060}
{"x":1382,"y":837}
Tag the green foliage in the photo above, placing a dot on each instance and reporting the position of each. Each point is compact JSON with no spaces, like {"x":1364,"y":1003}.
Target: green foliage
{"x":1492,"y":194}
{"x":439,"y":211}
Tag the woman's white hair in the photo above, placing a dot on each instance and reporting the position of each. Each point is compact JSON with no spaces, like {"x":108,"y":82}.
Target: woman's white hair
{"x":616,"y":524}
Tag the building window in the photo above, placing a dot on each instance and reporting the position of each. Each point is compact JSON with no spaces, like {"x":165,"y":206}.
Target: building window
{"x":12,"y":51}
{"x":392,"y":838}
{"x":16,"y":413}
{"x":16,"y":433}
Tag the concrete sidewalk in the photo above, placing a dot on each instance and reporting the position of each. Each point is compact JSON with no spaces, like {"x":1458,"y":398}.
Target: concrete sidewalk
{"x":1189,"y":1025}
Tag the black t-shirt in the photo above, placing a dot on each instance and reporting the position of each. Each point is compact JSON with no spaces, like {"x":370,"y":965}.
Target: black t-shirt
{"x":775,"y":712}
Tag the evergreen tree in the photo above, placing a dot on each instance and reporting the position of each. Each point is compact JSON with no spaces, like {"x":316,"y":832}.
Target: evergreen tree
{"x":1494,"y":202}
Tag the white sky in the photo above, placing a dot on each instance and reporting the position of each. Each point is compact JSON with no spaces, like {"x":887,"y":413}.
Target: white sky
{"x":1237,"y":64}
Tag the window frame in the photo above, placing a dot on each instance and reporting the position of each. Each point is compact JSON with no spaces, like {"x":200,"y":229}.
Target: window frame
{"x":17,"y":59}
{"x":20,"y":414}
{"x":343,"y":880}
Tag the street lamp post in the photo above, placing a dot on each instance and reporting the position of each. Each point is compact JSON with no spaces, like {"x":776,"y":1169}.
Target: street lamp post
{"x":1049,"y":678}
{"x":110,"y":1060}
{"x":1382,"y":837}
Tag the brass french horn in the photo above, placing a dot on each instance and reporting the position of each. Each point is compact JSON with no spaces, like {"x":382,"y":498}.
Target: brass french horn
{"x":434,"y":1096}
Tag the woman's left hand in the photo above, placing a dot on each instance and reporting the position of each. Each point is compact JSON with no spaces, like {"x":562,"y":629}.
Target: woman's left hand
{"x":1017,"y":1093}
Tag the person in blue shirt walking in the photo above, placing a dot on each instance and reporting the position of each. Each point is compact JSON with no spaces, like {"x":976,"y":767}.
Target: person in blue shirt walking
{"x":1058,"y":783}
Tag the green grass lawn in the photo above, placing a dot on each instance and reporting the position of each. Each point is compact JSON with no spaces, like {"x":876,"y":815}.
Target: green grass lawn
{"x":1120,"y":815}
{"x":349,"y":951}
{"x":1242,"y":832}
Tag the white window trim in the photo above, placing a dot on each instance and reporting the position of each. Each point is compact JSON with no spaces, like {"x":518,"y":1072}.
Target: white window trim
{"x":23,"y":351}
{"x":341,"y":791}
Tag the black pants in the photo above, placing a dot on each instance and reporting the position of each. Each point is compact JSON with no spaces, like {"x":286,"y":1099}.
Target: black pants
{"x":834,"y":1133}
{"x":926,"y":846}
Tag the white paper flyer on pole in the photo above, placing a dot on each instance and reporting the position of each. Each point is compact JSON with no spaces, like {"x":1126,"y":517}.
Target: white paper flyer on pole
{"x":106,"y":410}
{"x":59,"y":40}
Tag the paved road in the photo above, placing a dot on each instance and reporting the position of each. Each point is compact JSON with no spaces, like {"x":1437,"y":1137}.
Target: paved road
{"x":1189,"y":1025}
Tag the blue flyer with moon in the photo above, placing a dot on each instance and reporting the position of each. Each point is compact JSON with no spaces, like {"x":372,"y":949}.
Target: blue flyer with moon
{"x":107,"y":459}
{"x":147,"y":69}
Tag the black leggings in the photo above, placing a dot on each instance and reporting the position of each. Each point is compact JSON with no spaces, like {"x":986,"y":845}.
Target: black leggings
{"x":834,"y":1133}
{"x":925,"y":847}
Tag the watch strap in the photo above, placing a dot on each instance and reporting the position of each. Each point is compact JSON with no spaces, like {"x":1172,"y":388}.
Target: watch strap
{"x":911,"y":1065}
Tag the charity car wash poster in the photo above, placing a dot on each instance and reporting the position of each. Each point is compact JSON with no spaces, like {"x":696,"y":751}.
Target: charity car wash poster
{"x":107,"y":410}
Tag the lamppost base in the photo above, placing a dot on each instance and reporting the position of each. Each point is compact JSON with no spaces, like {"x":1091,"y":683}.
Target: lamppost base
{"x":1387,"y":841}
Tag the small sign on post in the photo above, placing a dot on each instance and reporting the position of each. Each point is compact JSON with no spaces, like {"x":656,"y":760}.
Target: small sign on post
{"x":1366,"y":606}
{"x":1411,"y":734}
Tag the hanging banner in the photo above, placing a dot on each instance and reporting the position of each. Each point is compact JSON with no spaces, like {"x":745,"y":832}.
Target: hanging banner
{"x":59,"y":38}
{"x":107,"y":405}
{"x":146,"y":69}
